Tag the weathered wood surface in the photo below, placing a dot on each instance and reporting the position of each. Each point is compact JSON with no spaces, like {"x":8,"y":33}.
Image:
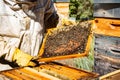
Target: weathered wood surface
{"x":107,"y":54}
{"x":108,"y":10}
{"x":115,"y":75}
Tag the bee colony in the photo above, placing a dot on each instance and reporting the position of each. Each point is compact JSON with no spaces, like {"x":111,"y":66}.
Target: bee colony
{"x":67,"y":40}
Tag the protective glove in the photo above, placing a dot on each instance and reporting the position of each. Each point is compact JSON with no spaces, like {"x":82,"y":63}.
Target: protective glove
{"x":22,"y":59}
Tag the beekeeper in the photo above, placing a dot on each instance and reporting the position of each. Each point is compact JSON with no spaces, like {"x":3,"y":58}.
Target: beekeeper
{"x":22,"y":25}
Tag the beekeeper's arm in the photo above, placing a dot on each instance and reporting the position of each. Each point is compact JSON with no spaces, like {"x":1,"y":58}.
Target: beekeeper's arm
{"x":50,"y":20}
{"x":10,"y":32}
{"x":51,"y":16}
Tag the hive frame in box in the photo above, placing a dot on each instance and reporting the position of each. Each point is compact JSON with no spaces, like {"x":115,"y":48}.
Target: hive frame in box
{"x":87,"y":48}
{"x":47,"y":71}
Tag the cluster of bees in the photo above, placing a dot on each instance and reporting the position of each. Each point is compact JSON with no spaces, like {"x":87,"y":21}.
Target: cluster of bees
{"x":67,"y":40}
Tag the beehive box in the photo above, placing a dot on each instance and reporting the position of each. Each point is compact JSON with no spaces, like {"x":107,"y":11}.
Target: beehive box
{"x":107,"y":45}
{"x":47,"y":71}
{"x":107,"y":54}
{"x":62,"y":7}
{"x":107,"y":8}
{"x":66,"y":42}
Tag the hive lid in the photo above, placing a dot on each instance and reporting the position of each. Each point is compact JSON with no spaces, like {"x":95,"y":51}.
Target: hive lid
{"x":66,"y":42}
{"x":105,"y":26}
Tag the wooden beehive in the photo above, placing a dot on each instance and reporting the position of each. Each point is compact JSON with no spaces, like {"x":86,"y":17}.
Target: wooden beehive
{"x":107,"y":45}
{"x":107,"y":8}
{"x":62,"y":7}
{"x":47,"y":71}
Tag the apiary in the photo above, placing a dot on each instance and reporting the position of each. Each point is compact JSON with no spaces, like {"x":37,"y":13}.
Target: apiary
{"x":59,"y":43}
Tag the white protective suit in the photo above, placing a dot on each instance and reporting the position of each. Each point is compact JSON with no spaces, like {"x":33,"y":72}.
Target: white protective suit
{"x":23,"y":25}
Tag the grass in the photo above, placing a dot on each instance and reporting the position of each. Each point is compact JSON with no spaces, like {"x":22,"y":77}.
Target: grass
{"x":86,"y":63}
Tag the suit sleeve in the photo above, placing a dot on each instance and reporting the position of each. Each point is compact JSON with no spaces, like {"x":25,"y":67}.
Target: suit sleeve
{"x":51,"y":16}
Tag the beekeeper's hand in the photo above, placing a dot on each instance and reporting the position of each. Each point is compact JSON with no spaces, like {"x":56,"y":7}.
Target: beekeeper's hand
{"x":22,"y":59}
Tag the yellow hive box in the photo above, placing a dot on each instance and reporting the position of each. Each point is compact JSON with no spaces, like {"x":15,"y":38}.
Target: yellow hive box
{"x":104,"y":26}
{"x":47,"y":71}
